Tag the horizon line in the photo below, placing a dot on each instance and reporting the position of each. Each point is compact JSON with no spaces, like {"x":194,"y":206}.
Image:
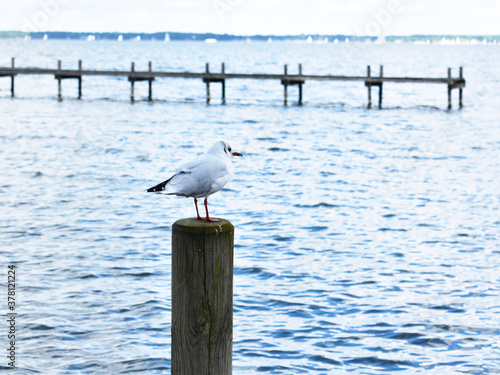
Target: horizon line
{"x":248,"y":35}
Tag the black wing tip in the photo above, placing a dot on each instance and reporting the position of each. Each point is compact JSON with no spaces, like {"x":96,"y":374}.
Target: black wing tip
{"x":158,"y":187}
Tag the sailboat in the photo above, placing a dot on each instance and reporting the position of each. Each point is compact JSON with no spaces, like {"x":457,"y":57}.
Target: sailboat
{"x":45,"y":37}
{"x":380,"y":40}
{"x":167,"y":37}
{"x":120,"y":38}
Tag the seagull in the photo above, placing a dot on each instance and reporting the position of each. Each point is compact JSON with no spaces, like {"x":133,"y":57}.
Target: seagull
{"x":201,"y":177}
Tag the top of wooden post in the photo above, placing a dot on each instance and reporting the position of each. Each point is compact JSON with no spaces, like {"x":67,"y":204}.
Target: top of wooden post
{"x":194,"y":225}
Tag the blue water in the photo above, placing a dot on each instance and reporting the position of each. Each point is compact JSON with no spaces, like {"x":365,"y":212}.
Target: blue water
{"x":366,"y":241}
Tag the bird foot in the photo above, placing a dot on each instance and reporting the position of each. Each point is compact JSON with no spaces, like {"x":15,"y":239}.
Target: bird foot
{"x":209,"y":219}
{"x":213,"y":220}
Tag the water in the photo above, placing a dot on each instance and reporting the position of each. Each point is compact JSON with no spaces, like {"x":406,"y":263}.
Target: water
{"x":366,"y":240}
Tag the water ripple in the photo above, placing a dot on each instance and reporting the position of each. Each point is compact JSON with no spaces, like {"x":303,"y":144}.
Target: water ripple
{"x":366,"y":241}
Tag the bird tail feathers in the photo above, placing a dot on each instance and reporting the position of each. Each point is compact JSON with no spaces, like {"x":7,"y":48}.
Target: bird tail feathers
{"x":159,"y":187}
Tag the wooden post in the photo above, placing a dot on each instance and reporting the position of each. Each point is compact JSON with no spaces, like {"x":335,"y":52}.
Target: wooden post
{"x":202,"y":297}
{"x":59,"y":89}
{"x":380,"y":87}
{"x":449,"y":88}
{"x":285,"y":85}
{"x":369,"y":87}
{"x":132,"y":69}
{"x":460,"y":90}
{"x":207,"y":70}
{"x":150,"y":83}
{"x":300,"y":85}
{"x":223,"y":71}
{"x":12,"y":78}
{"x":80,"y":79}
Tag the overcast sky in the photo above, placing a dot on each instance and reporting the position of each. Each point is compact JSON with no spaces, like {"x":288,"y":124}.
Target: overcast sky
{"x":249,"y":17}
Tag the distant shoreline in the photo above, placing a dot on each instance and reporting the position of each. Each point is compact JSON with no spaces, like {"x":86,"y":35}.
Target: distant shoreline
{"x":211,"y":37}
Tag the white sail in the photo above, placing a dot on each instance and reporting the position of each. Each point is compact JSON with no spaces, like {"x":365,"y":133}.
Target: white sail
{"x":380,"y":40}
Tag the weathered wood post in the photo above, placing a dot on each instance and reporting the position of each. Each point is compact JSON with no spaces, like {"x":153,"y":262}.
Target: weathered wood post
{"x":285,"y":85}
{"x":150,"y":82}
{"x":132,"y":81}
{"x":80,"y":79}
{"x":368,"y":83}
{"x":300,"y":85}
{"x":450,"y":87}
{"x":223,"y":82}
{"x":380,"y":87}
{"x":202,"y":297}
{"x":207,"y":81}
{"x":59,"y":89}
{"x":12,"y":77}
{"x":460,"y":90}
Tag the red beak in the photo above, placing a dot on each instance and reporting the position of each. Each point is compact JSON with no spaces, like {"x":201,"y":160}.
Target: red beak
{"x":236,"y":154}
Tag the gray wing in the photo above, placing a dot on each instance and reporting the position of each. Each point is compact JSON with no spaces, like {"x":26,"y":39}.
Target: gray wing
{"x":193,"y":179}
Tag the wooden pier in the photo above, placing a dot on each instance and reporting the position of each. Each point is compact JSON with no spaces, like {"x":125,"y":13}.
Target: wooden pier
{"x":208,"y":77}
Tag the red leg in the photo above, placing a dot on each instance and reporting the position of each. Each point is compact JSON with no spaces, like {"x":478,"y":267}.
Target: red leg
{"x":197,"y":212}
{"x":208,"y":217}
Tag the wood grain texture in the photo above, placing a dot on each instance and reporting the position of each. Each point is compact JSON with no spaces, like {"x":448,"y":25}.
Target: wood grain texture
{"x":202,"y":297}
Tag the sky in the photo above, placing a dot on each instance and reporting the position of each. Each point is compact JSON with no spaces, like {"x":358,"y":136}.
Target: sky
{"x":250,"y":17}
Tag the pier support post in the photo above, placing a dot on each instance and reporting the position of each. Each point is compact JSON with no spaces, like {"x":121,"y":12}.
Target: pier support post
{"x":300,"y":85}
{"x":285,"y":85}
{"x":450,"y":87}
{"x":223,"y":82}
{"x":368,"y":74}
{"x":132,"y":81}
{"x":59,"y":88}
{"x":202,"y":297}
{"x":380,"y":87}
{"x":80,"y":79}
{"x":12,"y":78}
{"x":150,"y":82}
{"x":460,"y":90}
{"x":207,"y":70}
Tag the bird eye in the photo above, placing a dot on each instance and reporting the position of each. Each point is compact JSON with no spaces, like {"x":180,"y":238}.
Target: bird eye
{"x":229,"y":149}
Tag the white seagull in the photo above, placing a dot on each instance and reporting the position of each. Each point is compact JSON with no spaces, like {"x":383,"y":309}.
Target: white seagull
{"x":201,"y":177}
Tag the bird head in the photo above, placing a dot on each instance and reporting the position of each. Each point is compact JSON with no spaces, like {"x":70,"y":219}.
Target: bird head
{"x":223,"y":148}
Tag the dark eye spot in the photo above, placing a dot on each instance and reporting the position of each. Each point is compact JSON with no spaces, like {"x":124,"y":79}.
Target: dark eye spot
{"x":229,"y":149}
